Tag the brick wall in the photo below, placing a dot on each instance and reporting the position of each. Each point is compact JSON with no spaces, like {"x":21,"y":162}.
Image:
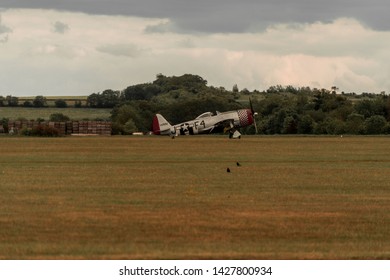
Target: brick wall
{"x":66,"y":128}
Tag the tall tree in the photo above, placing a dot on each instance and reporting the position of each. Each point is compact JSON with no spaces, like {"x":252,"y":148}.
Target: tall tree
{"x":39,"y":101}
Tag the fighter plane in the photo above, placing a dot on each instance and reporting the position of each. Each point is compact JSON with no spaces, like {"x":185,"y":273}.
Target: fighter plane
{"x":208,"y":122}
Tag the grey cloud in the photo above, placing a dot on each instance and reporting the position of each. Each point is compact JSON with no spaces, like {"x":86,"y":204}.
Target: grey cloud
{"x":60,"y":27}
{"x":4,"y":31}
{"x":226,"y":15}
{"x":3,"y":39}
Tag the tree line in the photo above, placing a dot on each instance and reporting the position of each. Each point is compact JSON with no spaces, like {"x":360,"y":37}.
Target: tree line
{"x":38,"y":102}
{"x":281,"y":109}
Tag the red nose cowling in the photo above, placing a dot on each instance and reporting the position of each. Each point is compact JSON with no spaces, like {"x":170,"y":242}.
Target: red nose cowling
{"x":245,"y":116}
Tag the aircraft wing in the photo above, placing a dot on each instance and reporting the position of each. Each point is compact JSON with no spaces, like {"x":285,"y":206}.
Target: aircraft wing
{"x":224,"y":126}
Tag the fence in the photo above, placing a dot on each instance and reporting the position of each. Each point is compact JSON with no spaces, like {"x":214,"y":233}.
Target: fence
{"x":65,"y":128}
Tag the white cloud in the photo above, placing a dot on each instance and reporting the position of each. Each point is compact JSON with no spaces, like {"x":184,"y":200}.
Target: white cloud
{"x":128,"y":50}
{"x":92,"y":53}
{"x":165,"y":26}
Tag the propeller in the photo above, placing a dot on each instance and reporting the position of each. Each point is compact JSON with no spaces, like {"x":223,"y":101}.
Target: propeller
{"x":254,"y":114}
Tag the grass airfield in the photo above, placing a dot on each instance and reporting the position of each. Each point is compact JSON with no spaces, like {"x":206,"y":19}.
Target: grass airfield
{"x":160,"y":198}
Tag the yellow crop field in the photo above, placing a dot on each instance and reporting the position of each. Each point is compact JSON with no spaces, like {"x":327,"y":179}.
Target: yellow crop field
{"x":153,"y":197}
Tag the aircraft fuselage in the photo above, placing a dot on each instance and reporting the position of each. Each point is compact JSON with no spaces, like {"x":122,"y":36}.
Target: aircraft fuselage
{"x":205,"y":123}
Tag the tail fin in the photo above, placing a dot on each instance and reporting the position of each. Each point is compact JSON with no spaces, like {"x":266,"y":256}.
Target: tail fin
{"x":161,"y":126}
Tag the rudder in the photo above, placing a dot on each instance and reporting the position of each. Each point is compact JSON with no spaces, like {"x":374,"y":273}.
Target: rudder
{"x":161,"y":126}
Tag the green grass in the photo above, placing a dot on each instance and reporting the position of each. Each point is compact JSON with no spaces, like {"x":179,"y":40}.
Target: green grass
{"x":158,"y":198}
{"x":14,"y":113}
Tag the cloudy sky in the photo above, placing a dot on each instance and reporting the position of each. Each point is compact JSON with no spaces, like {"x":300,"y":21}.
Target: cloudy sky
{"x":78,"y":47}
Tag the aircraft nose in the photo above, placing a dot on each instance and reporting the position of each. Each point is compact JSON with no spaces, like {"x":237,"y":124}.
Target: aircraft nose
{"x":246,"y":117}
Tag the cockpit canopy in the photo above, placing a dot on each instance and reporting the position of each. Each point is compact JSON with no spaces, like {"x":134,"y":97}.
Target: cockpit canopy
{"x":205,"y":115}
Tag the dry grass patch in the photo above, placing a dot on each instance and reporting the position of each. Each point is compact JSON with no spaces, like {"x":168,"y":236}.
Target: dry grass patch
{"x":158,"y":198}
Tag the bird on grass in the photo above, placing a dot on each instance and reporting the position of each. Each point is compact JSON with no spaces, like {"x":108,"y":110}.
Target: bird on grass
{"x":238,"y":164}
{"x":228,"y":170}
